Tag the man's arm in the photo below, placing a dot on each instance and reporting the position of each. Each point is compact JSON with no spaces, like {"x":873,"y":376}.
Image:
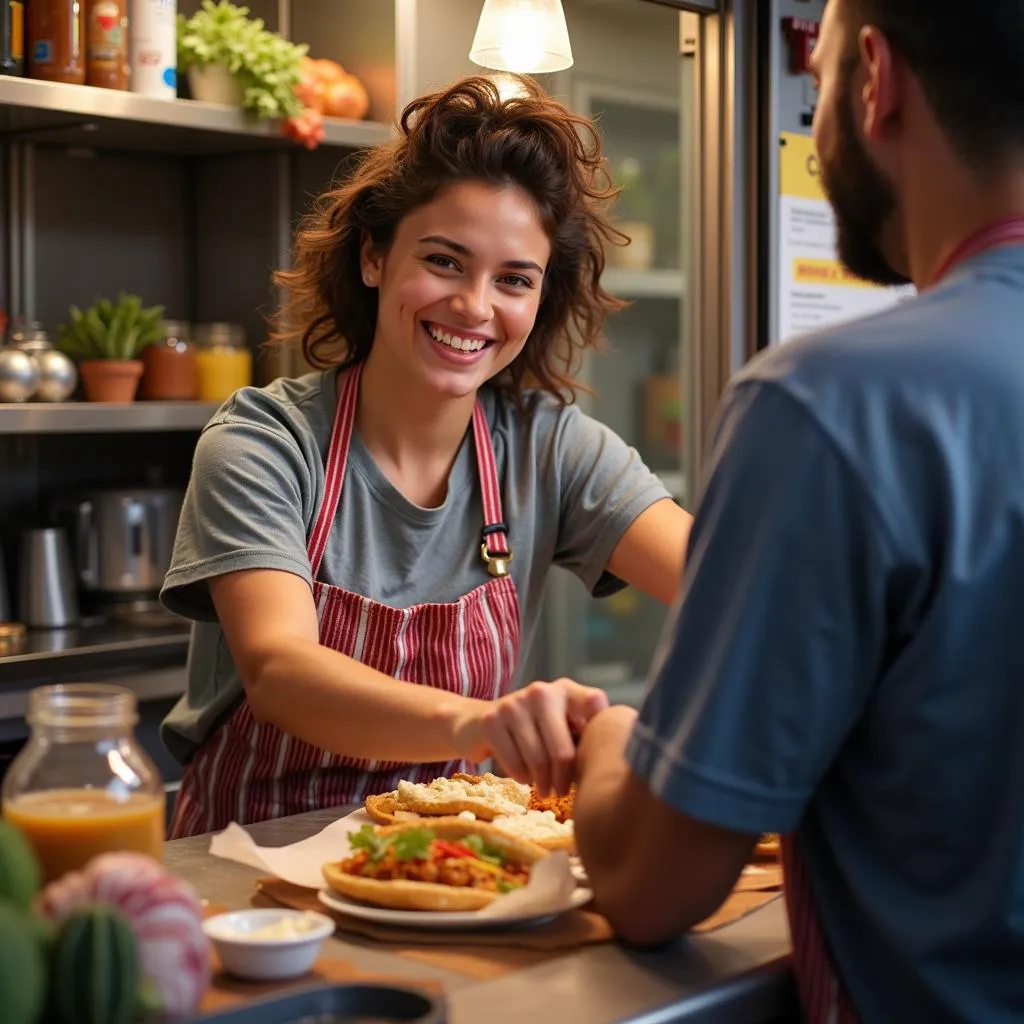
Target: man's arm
{"x":666,"y":871}
{"x":774,"y":649}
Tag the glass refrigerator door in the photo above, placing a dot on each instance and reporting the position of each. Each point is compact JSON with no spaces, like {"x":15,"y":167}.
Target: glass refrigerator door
{"x":638,"y":384}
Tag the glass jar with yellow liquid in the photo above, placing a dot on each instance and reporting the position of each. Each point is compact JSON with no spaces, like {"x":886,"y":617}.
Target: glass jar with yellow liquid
{"x":82,"y":785}
{"x":223,"y":359}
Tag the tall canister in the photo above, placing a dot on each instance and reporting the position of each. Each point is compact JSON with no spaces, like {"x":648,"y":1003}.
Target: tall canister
{"x":153,"y":47}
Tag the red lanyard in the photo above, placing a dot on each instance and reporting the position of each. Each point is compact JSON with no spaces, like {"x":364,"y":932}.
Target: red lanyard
{"x":1003,"y":232}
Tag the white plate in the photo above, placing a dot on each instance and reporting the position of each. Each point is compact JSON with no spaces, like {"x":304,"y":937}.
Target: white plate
{"x":454,"y":920}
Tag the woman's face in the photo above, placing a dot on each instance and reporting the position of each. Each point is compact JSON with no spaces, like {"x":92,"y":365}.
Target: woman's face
{"x":460,"y":287}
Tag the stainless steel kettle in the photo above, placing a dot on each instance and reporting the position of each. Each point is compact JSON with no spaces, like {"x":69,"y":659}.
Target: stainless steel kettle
{"x":123,"y":540}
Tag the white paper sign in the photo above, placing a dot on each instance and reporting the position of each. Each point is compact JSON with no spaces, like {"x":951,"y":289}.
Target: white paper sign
{"x":815,"y":289}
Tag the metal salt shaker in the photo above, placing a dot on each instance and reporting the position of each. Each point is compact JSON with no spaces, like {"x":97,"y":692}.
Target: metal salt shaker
{"x":18,"y":375}
{"x":56,"y":375}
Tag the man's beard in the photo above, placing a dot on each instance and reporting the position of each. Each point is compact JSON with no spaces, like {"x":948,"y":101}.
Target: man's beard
{"x":862,"y":198}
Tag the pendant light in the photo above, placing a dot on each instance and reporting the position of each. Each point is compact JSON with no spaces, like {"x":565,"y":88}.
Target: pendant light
{"x":527,"y":37}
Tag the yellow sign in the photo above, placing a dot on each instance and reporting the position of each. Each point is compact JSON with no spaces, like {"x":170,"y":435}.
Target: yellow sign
{"x":817,"y":271}
{"x":799,"y":168}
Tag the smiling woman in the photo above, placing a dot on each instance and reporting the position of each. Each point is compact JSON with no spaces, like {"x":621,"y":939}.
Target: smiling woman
{"x":391,"y":518}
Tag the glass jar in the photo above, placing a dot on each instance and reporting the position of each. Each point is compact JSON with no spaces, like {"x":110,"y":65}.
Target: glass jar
{"x":106,"y":48}
{"x":30,"y":336}
{"x":170,"y":372}
{"x":55,"y":40}
{"x":225,"y":362}
{"x":82,"y":785}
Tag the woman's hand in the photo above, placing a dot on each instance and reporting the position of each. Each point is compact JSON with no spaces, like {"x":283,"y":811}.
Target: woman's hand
{"x":530,"y":732}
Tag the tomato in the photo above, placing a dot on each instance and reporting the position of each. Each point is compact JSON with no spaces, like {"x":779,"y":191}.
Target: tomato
{"x":444,"y":848}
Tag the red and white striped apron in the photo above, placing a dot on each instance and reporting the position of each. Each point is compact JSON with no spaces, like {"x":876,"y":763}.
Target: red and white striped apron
{"x":823,"y":996}
{"x":247,"y":771}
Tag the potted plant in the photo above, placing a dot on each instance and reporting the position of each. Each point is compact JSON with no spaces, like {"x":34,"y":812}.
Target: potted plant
{"x":232,"y":58}
{"x":635,"y":216}
{"x":107,"y":339}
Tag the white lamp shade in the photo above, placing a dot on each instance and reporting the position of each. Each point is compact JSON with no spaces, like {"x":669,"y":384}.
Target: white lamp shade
{"x":527,"y":37}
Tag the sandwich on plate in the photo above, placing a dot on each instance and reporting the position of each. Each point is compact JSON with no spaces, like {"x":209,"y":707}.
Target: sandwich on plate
{"x":447,"y":864}
{"x":509,"y":805}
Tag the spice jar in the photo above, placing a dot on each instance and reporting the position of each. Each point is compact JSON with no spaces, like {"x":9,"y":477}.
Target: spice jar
{"x":225,"y":362}
{"x":82,"y":785}
{"x":170,"y":372}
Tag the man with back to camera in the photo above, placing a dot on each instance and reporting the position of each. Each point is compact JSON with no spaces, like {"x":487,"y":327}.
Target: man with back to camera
{"x":847,"y":662}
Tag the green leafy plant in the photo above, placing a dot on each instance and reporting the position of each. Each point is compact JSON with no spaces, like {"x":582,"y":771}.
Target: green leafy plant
{"x":265,"y":64}
{"x":636,"y":200}
{"x":108,"y":330}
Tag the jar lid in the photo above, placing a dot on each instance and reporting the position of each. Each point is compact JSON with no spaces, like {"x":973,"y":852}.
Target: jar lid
{"x":82,"y":706}
{"x":12,"y":637}
{"x":224,"y":335}
{"x":180,"y":330}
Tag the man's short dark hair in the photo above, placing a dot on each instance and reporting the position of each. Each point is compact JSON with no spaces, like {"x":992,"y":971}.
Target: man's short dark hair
{"x":969,"y":58}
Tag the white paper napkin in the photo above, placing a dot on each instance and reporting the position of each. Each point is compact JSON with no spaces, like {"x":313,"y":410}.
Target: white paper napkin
{"x":548,"y":891}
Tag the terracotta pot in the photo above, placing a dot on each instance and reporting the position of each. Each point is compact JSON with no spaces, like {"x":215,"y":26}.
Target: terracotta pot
{"x":111,"y":380}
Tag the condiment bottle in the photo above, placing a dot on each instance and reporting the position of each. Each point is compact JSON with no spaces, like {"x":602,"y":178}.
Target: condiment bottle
{"x":82,"y":785}
{"x":153,"y":46}
{"x":171,"y":371}
{"x":106,"y":63}
{"x":225,"y":362}
{"x":12,"y":38}
{"x":55,"y":40}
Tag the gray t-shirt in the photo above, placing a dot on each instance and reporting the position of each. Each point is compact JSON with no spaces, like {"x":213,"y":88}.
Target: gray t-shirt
{"x":570,"y":488}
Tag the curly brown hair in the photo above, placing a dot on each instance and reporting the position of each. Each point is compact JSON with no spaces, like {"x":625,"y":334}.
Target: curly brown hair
{"x":465,"y":132}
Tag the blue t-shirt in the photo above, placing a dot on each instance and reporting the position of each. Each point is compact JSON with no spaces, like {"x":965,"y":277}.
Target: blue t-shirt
{"x":847,"y":660}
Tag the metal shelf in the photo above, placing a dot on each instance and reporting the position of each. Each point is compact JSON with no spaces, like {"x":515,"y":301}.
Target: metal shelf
{"x":103,"y":418}
{"x":80,"y":115}
{"x":644,"y":284}
{"x":98,"y":646}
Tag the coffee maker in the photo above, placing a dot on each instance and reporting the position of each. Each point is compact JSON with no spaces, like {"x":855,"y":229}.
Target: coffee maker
{"x":122,"y":540}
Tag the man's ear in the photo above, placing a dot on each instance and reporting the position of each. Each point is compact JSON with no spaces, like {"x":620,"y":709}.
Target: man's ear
{"x":882,"y":94}
{"x":371,"y":262}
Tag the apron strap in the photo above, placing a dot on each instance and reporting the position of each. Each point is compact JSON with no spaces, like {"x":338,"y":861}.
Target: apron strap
{"x":494,"y":535}
{"x":334,"y":468}
{"x":494,"y":550}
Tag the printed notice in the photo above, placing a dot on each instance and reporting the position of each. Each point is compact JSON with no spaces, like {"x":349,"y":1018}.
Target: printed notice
{"x":815,"y":289}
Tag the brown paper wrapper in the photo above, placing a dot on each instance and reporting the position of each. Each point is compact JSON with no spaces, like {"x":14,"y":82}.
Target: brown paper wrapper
{"x":488,"y":954}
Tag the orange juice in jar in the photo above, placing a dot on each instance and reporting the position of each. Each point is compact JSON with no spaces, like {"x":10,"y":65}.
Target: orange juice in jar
{"x":223,"y":359}
{"x":82,"y":786}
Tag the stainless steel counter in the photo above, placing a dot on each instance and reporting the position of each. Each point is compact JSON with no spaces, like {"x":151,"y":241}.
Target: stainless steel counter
{"x":738,"y":974}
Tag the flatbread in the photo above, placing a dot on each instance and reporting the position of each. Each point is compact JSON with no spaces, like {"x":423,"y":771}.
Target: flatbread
{"x":382,"y":807}
{"x":401,"y":894}
{"x":553,"y":844}
{"x":510,"y":789}
{"x":447,"y":797}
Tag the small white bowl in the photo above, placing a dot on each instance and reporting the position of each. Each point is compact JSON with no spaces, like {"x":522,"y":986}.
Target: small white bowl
{"x":247,"y":954}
